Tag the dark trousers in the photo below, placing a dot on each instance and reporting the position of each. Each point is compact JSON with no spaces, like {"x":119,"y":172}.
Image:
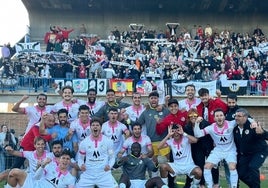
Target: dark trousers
{"x":18,"y":162}
{"x":248,"y":169}
{"x":9,"y":159}
{"x":171,"y":179}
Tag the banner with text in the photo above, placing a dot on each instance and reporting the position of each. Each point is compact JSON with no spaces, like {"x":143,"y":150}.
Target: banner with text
{"x":178,"y":89}
{"x":28,"y":47}
{"x":82,"y":85}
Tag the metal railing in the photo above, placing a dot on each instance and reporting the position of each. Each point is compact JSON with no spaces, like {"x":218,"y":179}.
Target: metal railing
{"x":32,"y":85}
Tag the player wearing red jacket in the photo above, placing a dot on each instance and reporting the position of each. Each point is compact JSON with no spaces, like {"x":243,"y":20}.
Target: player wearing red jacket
{"x":176,"y":117}
{"x":207,"y":106}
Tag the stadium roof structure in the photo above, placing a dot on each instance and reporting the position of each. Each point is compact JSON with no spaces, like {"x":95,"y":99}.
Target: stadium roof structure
{"x":237,"y":6}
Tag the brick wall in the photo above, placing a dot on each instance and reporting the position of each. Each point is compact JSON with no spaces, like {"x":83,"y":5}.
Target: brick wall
{"x":14,"y":121}
{"x":260,"y":114}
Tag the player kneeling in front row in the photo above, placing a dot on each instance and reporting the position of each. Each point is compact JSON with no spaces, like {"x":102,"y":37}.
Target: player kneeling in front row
{"x":180,"y":144}
{"x":134,"y":168}
{"x":48,"y":175}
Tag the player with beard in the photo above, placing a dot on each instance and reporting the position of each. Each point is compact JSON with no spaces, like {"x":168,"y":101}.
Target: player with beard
{"x":67,"y":103}
{"x":57,"y":149}
{"x":34,"y":113}
{"x":207,"y":106}
{"x":134,"y":166}
{"x":222,"y":134}
{"x":62,"y":130}
{"x":143,"y":140}
{"x":111,"y":102}
{"x":206,"y":110}
{"x":191,"y":101}
{"x":95,"y":159}
{"x":149,"y":118}
{"x":115,"y":130}
{"x":92,"y":103}
{"x":231,"y":100}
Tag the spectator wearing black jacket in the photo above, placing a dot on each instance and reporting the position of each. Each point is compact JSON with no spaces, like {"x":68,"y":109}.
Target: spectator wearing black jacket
{"x":252,"y":148}
{"x":232,"y":106}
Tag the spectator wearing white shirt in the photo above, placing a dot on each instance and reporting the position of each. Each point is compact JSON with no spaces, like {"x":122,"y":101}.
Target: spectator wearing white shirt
{"x":45,"y":75}
{"x":110,"y":72}
{"x":66,"y":47}
{"x":111,"y":36}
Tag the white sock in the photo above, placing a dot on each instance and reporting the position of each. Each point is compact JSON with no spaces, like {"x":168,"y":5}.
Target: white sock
{"x":165,"y":180}
{"x":155,"y":174}
{"x":164,"y":186}
{"x":122,"y":185}
{"x":7,"y":186}
{"x":233,"y":178}
{"x":196,"y":181}
{"x":208,"y":178}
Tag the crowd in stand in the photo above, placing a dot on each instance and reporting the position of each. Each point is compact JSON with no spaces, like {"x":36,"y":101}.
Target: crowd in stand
{"x":132,"y":133}
{"x":187,"y":137}
{"x":202,"y":54}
